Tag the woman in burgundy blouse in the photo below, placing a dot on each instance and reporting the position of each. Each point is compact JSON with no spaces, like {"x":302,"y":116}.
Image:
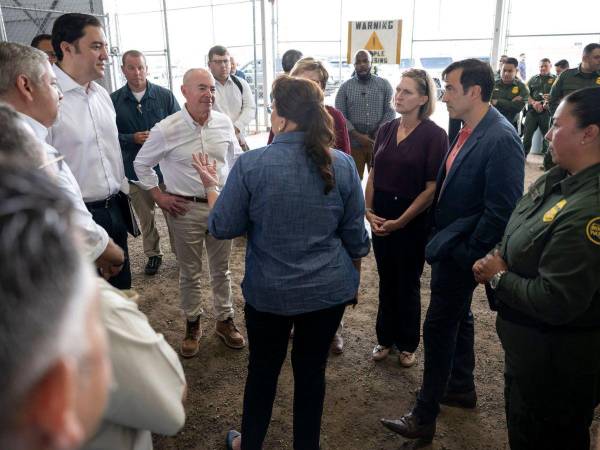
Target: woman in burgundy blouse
{"x":408,"y":153}
{"x":312,"y":69}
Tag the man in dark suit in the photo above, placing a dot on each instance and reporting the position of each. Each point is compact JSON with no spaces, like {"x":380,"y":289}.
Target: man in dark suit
{"x":477,"y":188}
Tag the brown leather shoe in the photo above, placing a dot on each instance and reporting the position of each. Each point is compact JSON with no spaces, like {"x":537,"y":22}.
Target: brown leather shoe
{"x":409,"y":427}
{"x":337,"y":345}
{"x":190,"y":343}
{"x":230,"y":335}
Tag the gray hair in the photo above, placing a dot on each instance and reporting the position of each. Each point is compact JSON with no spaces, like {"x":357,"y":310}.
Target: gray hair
{"x":17,"y":59}
{"x":18,"y":145}
{"x":190,"y":73}
{"x":45,"y":286}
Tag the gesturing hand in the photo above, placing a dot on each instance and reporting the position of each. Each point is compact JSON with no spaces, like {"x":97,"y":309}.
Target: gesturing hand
{"x":206,"y":170}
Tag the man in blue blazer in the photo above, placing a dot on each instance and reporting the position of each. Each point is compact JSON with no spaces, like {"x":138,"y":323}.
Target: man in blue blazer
{"x":478,"y":187}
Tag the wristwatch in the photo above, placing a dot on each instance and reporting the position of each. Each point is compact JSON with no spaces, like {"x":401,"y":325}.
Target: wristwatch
{"x":495,"y":280}
{"x":216,"y":189}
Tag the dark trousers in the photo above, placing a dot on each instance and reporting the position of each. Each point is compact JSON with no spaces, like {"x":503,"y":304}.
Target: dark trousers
{"x":552,"y":385}
{"x":533,"y":121}
{"x":400,"y":258}
{"x":111,"y":219}
{"x":268,"y":336}
{"x":448,"y":337}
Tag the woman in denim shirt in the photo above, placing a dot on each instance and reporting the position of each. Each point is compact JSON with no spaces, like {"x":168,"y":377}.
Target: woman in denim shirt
{"x":302,"y":207}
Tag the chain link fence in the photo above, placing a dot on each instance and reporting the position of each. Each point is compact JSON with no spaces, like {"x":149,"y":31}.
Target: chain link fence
{"x":25,"y":19}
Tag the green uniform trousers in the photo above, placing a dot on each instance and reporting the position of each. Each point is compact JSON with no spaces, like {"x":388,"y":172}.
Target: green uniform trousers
{"x":552,"y":385}
{"x":533,"y":121}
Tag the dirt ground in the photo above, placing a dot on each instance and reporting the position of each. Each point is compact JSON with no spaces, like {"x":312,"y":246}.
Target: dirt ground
{"x":359,"y":391}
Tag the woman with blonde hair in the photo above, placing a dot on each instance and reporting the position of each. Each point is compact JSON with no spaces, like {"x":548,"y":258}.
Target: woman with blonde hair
{"x":314,"y":70}
{"x":408,"y":153}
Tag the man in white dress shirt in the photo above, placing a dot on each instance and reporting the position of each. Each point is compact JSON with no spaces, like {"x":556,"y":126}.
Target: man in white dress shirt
{"x":28,"y":84}
{"x":172,"y":141}
{"x":234,"y":97}
{"x":86,"y":131}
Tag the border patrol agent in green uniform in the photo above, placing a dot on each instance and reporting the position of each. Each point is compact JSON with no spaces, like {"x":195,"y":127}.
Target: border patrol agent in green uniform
{"x":538,"y":115}
{"x":545,"y":282}
{"x":570,"y":80}
{"x":510,"y":94}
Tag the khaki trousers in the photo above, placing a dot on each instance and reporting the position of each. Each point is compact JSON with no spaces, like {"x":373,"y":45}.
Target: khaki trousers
{"x":363,"y":156}
{"x":189,"y":239}
{"x":144,"y":206}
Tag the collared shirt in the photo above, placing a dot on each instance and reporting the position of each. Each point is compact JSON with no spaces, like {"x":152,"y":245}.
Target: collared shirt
{"x":148,"y":379}
{"x":366,"y":105}
{"x":301,"y":242}
{"x":463,"y":135}
{"x":94,"y":236}
{"x":133,"y":116}
{"x":238,"y":106}
{"x":172,"y":142}
{"x":86,"y":133}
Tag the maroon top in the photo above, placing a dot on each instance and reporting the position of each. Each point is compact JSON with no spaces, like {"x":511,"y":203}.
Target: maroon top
{"x":342,"y":139}
{"x":404,"y":168}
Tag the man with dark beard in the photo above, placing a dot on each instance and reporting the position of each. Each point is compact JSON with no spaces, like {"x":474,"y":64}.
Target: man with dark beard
{"x":366,"y":102}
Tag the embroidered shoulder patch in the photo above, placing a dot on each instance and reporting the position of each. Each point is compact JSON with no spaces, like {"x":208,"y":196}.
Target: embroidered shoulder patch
{"x":552,"y":212}
{"x":592,"y":230}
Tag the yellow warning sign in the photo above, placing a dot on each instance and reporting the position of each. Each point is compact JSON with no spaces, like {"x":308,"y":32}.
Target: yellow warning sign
{"x":373,"y":43}
{"x":381,"y":38}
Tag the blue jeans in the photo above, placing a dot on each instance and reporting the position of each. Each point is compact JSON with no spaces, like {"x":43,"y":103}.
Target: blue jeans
{"x":448,"y":337}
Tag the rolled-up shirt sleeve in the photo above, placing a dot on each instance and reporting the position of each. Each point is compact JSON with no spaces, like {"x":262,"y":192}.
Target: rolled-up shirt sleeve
{"x":95,"y":238}
{"x":151,"y":153}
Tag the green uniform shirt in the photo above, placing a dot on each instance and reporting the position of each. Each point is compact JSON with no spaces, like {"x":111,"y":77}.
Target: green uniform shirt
{"x":538,"y":86}
{"x":552,"y":248}
{"x":569,"y":81}
{"x":504,"y":93}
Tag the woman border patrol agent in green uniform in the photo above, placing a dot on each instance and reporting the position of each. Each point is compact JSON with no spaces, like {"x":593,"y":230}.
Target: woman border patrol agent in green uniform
{"x":544,"y":279}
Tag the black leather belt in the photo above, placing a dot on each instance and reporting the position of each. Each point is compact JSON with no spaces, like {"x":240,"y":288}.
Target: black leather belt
{"x":102,"y":204}
{"x":191,"y":198}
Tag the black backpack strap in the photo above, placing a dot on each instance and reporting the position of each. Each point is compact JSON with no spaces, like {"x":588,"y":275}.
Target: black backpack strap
{"x":238,"y":83}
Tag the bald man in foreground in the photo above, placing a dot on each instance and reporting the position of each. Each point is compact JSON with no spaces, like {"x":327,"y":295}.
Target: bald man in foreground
{"x":196,"y":128}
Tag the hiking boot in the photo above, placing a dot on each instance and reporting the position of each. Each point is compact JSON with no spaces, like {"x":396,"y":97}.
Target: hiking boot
{"x":229,"y":333}
{"x":190,"y":344}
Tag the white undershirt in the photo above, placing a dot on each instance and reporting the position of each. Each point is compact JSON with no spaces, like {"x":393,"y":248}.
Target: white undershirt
{"x":139,"y":95}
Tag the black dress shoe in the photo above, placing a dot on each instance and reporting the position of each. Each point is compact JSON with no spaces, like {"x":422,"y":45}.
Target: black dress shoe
{"x":467,"y":400}
{"x":153,"y":264}
{"x":409,"y":427}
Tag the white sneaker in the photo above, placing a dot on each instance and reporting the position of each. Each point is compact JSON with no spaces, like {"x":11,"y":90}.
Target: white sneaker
{"x":380,"y":352}
{"x":407,"y":359}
